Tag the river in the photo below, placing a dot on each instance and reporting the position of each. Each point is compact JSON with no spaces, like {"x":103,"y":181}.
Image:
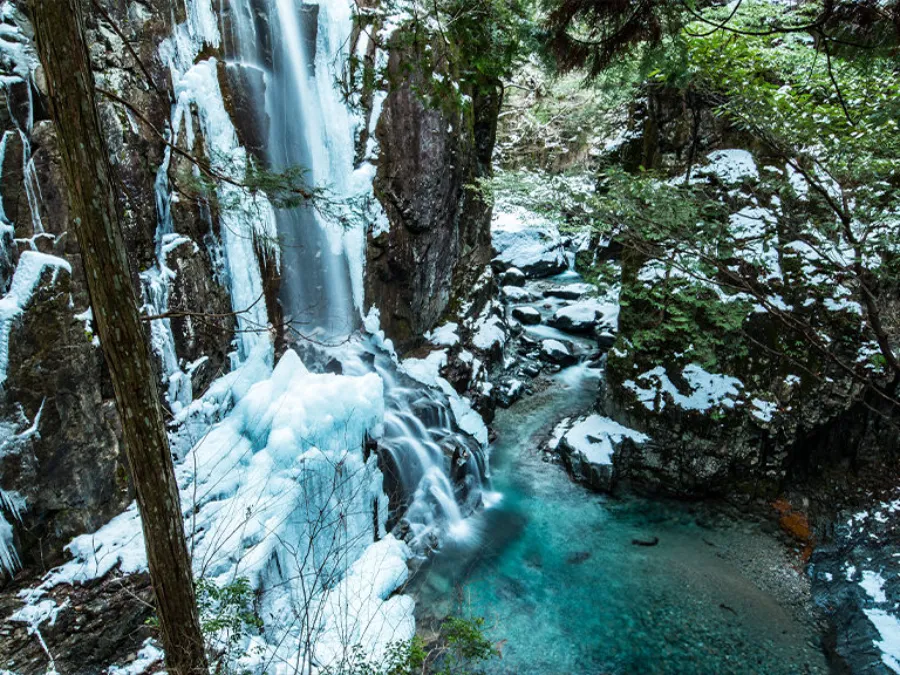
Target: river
{"x":552,"y":568}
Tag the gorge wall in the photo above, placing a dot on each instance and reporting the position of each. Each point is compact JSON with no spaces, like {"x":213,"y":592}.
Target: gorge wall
{"x":732,"y":405}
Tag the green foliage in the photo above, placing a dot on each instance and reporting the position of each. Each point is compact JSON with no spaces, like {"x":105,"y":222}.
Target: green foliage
{"x":401,"y":658}
{"x":451,"y":50}
{"x":467,"y":647}
{"x":461,"y":649}
{"x":567,"y":200}
{"x":227,"y":619}
{"x":823,"y":126}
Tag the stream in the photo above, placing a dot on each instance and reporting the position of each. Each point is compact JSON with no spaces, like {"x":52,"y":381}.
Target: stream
{"x":552,"y":569}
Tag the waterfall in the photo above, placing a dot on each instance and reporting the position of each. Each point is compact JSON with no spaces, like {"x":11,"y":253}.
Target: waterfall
{"x":289,"y":55}
{"x":300,"y":49}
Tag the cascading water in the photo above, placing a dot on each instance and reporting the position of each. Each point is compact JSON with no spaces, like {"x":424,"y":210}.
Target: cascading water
{"x":433,"y":471}
{"x":296,"y":47}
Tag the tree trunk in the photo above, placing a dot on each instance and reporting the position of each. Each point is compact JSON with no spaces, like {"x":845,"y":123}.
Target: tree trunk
{"x":59,"y":33}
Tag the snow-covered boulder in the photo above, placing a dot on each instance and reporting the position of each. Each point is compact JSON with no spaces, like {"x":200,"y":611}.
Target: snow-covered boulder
{"x":587,"y":449}
{"x":528,"y":242}
{"x":527,"y":315}
{"x":513,"y":277}
{"x":584,"y":316}
{"x":557,"y":352}
{"x":569,"y":291}
{"x":509,"y":391}
{"x":516,"y":294}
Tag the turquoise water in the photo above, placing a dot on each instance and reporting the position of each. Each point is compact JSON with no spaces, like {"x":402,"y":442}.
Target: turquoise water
{"x":553,"y":570}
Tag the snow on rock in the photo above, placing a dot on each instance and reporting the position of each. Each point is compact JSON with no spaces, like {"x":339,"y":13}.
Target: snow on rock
{"x":589,"y":445}
{"x":446,"y":335}
{"x":569,"y":291}
{"x":26,"y":278}
{"x":706,"y":390}
{"x":595,"y":436}
{"x":585,"y":316}
{"x":527,"y":241}
{"x":731,"y":166}
{"x":558,"y":352}
{"x":149,"y":655}
{"x":516,"y":294}
{"x":489,"y":332}
{"x":513,"y":277}
{"x":888,"y":627}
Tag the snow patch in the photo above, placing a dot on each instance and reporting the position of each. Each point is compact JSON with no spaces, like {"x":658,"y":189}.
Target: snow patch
{"x":707,"y":390}
{"x":595,"y":438}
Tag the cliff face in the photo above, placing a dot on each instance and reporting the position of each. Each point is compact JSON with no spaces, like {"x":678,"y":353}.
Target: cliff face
{"x":62,"y":464}
{"x":432,"y":158}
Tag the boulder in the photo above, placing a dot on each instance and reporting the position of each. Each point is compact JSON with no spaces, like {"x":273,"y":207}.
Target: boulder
{"x":509,"y":391}
{"x":569,"y":291}
{"x":516,"y":294}
{"x":527,"y":242}
{"x":587,"y":449}
{"x":556,"y":352}
{"x":513,"y":277}
{"x":582,"y":317}
{"x":527,"y":315}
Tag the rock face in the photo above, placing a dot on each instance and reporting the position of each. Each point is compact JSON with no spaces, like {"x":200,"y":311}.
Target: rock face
{"x":438,"y":241}
{"x":61,"y":460}
{"x":752,"y":421}
{"x":856,"y":580}
{"x":97,"y":623}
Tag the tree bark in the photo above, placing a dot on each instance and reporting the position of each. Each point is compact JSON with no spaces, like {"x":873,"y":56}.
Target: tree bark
{"x":59,"y":33}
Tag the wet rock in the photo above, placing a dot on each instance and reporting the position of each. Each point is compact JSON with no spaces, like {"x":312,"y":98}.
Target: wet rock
{"x":527,"y":315}
{"x":530,"y":369}
{"x":557,"y":353}
{"x":509,"y":391}
{"x":605,"y":341}
{"x":242,"y":87}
